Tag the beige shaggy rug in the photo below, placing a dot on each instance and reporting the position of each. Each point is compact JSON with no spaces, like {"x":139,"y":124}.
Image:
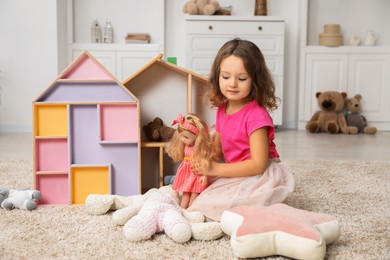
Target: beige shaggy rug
{"x":356,"y":192}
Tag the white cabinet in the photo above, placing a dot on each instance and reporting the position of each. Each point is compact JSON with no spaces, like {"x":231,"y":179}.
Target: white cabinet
{"x":360,"y":69}
{"x":205,"y":35}
{"x":122,"y":60}
{"x":350,"y":70}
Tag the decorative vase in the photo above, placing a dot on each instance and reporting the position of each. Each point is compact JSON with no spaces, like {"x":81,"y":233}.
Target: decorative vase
{"x":371,"y":38}
{"x":354,"y":40}
{"x":96,"y":32}
{"x":108,"y":33}
{"x":261,"y":7}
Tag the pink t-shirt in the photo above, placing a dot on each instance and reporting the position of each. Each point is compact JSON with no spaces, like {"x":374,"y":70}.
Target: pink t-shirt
{"x":235,"y":130}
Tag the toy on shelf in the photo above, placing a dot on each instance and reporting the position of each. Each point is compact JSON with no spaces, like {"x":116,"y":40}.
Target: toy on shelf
{"x":201,"y":7}
{"x":86,"y":135}
{"x":153,"y":212}
{"x":19,"y":199}
{"x":156,"y":131}
{"x":354,"y":116}
{"x":330,"y":118}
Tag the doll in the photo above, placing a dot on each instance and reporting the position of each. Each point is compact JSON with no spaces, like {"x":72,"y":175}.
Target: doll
{"x":192,"y":145}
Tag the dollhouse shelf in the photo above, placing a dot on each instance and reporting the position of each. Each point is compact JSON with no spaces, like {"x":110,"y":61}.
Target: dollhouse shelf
{"x":160,"y":146}
{"x":86,"y":136}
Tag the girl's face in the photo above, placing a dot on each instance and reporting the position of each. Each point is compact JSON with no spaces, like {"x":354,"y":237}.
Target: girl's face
{"x":234,"y":81}
{"x":187,"y":137}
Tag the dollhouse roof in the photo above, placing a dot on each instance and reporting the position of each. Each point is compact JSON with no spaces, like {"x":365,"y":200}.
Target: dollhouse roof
{"x":158,"y":61}
{"x":85,"y":80}
{"x":163,"y":87}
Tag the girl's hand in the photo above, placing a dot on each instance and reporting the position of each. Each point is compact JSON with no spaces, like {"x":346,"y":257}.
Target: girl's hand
{"x":208,"y":170}
{"x":203,"y":180}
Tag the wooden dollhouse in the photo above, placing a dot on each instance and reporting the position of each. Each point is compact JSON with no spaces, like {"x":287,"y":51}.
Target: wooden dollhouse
{"x":164,"y":90}
{"x":86,"y":135}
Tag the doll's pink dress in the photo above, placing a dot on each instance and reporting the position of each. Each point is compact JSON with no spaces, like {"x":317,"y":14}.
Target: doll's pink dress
{"x":186,"y":180}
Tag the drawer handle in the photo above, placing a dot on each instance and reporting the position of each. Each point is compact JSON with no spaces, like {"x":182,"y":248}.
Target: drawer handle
{"x":210,"y":27}
{"x":260,"y":28}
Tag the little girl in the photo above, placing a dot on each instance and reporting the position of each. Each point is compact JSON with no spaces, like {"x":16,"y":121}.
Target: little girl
{"x":243,"y":91}
{"x":190,"y":143}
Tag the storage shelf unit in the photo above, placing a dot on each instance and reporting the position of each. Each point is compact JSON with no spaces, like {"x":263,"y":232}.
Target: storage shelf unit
{"x":86,"y":136}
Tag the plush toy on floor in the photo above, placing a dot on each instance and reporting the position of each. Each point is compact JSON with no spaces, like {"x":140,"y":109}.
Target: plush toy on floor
{"x":155,"y":211}
{"x":354,"y":116}
{"x":261,"y":231}
{"x":330,"y":118}
{"x":19,"y":199}
{"x":201,"y":7}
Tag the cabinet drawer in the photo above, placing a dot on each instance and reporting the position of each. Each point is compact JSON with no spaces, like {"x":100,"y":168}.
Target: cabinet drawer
{"x":269,"y":45}
{"x":235,"y":27}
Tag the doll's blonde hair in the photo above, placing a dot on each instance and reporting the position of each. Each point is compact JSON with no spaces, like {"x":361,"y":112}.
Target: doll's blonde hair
{"x":203,"y":147}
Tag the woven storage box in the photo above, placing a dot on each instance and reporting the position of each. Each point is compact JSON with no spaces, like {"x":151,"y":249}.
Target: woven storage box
{"x":331,"y":39}
{"x":332,"y":28}
{"x":331,"y":36}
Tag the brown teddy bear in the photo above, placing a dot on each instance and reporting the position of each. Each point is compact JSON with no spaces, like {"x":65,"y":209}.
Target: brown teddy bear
{"x":155,"y":131}
{"x":354,"y":118}
{"x":201,"y":7}
{"x":330,"y":117}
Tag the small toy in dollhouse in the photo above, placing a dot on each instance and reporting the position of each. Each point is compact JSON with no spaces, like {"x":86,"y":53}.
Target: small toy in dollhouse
{"x":156,"y":131}
{"x":192,"y":145}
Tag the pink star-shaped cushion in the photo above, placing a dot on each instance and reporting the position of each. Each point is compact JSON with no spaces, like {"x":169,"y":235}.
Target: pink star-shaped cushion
{"x":279,"y":229}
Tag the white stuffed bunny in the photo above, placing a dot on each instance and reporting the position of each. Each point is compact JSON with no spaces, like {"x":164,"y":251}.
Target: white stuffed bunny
{"x":155,"y":211}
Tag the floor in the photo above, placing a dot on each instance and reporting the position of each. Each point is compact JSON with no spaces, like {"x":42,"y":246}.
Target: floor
{"x":291,"y":145}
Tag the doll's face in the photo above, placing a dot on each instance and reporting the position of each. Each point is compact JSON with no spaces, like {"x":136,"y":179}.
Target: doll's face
{"x":187,"y":137}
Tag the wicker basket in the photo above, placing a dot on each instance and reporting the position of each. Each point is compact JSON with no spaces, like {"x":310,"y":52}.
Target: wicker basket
{"x":331,"y":36}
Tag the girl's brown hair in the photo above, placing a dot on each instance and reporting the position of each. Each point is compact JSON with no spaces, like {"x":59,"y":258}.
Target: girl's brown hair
{"x":263,"y":86}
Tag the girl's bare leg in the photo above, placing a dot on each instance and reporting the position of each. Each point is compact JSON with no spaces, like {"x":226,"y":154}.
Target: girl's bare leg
{"x":193,"y":197}
{"x":185,"y":200}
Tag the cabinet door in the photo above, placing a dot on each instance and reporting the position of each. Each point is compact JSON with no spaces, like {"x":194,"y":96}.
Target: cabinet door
{"x":106,"y":58}
{"x":369,"y":75}
{"x":324,"y":72}
{"x":128,"y":62}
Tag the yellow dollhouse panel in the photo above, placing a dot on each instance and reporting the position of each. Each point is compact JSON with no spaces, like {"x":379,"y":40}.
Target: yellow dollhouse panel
{"x":85,"y":180}
{"x":51,"y":119}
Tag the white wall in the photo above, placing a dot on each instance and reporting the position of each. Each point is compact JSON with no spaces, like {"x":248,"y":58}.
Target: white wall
{"x":32,"y":53}
{"x":28,"y":58}
{"x":354,"y":17}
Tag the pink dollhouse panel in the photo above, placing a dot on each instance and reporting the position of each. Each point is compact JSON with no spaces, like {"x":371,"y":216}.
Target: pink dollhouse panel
{"x":52,"y":154}
{"x":119,"y":122}
{"x":54,"y":188}
{"x":86,"y":68}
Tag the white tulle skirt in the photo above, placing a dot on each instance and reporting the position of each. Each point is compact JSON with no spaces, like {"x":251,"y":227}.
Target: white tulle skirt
{"x":274,"y":186}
